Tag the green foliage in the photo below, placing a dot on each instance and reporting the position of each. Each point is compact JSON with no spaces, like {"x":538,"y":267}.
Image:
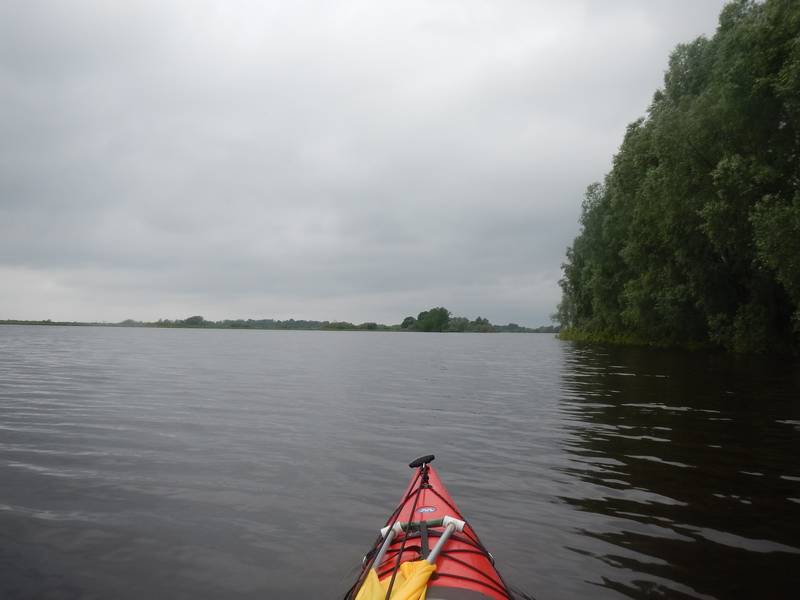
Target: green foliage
{"x":408,"y":323}
{"x":339,"y":326}
{"x":777,"y":239}
{"x":435,"y":319}
{"x":458,"y":324}
{"x":479,"y":325}
{"x":694,"y":235}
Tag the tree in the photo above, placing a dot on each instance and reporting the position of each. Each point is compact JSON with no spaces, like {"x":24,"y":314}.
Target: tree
{"x":408,"y":323}
{"x":693,"y":235}
{"x":435,"y":319}
{"x":458,"y":324}
{"x":480,"y":325}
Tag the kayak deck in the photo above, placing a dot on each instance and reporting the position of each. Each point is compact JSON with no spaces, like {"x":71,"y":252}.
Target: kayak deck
{"x":428,"y":526}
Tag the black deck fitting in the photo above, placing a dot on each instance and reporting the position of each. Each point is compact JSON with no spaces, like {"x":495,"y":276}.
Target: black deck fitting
{"x":422,"y":460}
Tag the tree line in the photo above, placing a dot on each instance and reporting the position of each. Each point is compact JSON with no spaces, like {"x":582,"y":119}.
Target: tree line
{"x":440,"y":319}
{"x":693,"y":237}
{"x":437,"y":319}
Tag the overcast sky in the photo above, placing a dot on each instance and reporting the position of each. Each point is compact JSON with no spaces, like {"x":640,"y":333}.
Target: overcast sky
{"x":356,"y":161}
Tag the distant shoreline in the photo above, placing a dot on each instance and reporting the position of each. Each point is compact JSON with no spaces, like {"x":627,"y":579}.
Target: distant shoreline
{"x":269,"y":325}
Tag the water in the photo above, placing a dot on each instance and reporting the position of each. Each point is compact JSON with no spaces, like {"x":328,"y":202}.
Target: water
{"x":259,"y":464}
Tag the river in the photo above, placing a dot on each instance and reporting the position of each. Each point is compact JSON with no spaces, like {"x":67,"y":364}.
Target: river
{"x":200,"y":464}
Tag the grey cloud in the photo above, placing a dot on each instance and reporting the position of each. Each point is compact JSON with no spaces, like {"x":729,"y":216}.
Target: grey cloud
{"x":353,"y":160}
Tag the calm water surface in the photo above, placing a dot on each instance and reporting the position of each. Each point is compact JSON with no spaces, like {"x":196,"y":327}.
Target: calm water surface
{"x":144,"y":463}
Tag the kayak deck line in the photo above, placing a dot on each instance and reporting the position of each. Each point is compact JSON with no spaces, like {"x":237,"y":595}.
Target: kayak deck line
{"x":401,"y":565}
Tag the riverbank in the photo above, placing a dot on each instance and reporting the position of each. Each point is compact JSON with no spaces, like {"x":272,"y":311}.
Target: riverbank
{"x":619,"y":339}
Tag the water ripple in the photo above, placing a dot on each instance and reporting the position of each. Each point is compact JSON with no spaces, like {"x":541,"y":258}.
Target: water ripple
{"x":220,"y":464}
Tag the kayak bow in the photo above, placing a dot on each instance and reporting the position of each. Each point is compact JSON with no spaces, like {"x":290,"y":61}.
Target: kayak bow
{"x":427,"y":550}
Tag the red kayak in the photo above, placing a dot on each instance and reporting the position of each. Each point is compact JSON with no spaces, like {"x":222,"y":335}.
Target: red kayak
{"x":428,"y":550}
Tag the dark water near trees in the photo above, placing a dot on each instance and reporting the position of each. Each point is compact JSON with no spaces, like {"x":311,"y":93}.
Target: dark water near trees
{"x":228,"y":464}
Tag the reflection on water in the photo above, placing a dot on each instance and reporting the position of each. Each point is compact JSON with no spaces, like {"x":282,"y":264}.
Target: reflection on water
{"x":197,"y":465}
{"x":693,"y":465}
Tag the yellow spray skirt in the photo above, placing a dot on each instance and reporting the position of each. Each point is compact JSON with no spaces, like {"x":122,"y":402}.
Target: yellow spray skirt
{"x":410,"y":584}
